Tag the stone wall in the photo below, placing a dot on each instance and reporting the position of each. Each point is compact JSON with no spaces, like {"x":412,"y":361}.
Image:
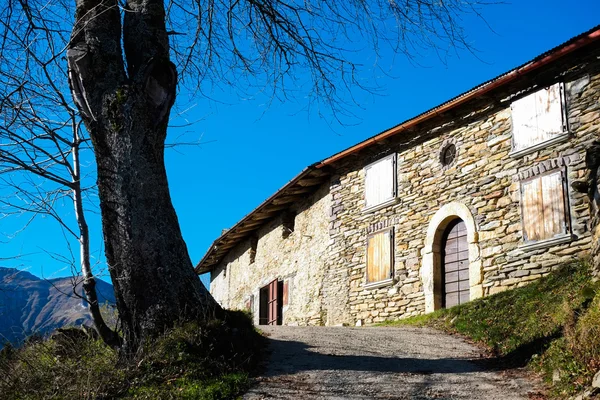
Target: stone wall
{"x":591,"y":187}
{"x":323,"y":261}
{"x":297,"y":259}
{"x":483,"y":183}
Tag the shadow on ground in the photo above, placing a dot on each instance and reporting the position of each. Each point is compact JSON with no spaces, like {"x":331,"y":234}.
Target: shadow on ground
{"x":381,"y":363}
{"x":300,"y":358}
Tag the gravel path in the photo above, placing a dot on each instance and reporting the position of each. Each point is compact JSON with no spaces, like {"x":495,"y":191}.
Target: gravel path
{"x":380,"y":363}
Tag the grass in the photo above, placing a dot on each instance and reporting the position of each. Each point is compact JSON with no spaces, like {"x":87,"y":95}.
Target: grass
{"x":208,"y":362}
{"x":552,"y":325}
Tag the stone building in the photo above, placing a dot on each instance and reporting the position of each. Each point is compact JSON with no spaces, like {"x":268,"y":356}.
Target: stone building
{"x":470,"y":198}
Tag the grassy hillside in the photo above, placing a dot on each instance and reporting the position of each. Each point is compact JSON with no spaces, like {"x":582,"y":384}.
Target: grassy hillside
{"x":552,"y":325}
{"x":189,"y":362}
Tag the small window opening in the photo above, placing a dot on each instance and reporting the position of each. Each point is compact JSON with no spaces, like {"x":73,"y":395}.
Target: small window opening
{"x":448,"y":155}
{"x":288,"y":224}
{"x":380,"y":256}
{"x":250,"y":304}
{"x":543,"y":207}
{"x":380,"y":182}
{"x":253,"y":246}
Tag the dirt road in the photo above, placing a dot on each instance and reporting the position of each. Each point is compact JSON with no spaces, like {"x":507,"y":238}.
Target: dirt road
{"x":379,"y":363}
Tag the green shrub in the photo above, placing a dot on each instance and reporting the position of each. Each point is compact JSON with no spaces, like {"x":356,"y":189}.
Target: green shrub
{"x":560,"y":370}
{"x":60,"y":367}
{"x":210,"y":361}
{"x":224,"y":388}
{"x":584,"y":336}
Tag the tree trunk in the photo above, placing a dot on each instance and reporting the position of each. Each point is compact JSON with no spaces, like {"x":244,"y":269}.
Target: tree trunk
{"x":154,"y":280}
{"x":126,"y":114}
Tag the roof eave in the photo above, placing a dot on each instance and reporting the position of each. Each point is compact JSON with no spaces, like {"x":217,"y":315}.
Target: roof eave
{"x":568,"y":47}
{"x":205,"y":265}
{"x":501,"y":80}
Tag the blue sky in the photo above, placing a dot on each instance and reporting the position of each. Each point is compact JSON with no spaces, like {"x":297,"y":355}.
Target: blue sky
{"x":251,"y":148}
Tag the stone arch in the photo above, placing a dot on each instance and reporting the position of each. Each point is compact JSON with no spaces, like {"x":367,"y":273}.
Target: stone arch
{"x":431,"y":260}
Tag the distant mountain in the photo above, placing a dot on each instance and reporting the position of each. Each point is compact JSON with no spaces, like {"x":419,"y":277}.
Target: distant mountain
{"x":30,"y":305}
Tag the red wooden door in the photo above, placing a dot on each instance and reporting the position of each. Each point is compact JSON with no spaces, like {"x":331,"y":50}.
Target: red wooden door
{"x":270,"y":308}
{"x":273,"y":303}
{"x":455,"y":264}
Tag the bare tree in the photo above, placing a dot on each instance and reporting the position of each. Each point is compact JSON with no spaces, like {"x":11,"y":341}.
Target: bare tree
{"x":40,"y":144}
{"x":32,"y":196}
{"x":123,"y":60}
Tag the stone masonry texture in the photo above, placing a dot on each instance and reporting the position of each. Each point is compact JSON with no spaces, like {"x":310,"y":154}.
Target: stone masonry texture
{"x":323,"y":261}
{"x":298,"y":260}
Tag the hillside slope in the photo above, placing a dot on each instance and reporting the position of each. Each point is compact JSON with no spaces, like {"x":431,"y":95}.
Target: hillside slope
{"x":552,"y":325}
{"x":30,"y":305}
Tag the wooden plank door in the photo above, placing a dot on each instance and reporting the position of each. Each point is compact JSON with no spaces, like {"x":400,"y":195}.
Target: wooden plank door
{"x":455,"y":264}
{"x":273,"y":303}
{"x":270,"y":308}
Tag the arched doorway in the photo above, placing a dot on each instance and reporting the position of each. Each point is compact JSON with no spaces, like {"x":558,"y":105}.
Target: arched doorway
{"x":433,"y":257}
{"x":455,"y":264}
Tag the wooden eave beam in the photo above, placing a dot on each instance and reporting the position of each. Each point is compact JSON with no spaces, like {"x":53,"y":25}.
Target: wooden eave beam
{"x":260,"y":216}
{"x":306,"y":182}
{"x":296,"y":190}
{"x":237,"y":235}
{"x":274,"y":208}
{"x":284,"y":200}
{"x":251,"y":223}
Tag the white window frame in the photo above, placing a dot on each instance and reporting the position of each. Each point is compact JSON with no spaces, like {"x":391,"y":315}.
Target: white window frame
{"x":555,"y":139}
{"x":393,"y":199}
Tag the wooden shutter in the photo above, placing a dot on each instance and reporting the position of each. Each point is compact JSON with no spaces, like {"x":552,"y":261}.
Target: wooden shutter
{"x":532,"y":209}
{"x":379,"y":256}
{"x":537,"y":117}
{"x":554,"y":204}
{"x":543,"y":207}
{"x":524,"y":122}
{"x":273,"y":303}
{"x":549,"y":112}
{"x":380,"y":185}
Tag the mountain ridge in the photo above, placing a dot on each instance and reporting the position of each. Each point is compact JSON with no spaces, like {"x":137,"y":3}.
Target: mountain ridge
{"x":31,"y":305}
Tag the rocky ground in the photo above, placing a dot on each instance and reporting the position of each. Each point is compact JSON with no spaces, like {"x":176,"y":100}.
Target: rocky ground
{"x":381,"y":363}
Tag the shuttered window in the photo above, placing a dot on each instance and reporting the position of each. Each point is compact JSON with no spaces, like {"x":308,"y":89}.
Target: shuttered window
{"x":543,"y":207}
{"x":538,"y":117}
{"x":379,"y":256}
{"x":380,"y":182}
